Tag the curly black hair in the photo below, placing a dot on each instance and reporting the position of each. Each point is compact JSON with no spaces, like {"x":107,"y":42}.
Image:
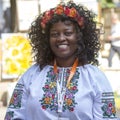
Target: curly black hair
{"x":88,"y":36}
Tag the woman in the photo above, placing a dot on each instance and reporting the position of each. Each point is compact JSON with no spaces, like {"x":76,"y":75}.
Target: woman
{"x":65,"y":83}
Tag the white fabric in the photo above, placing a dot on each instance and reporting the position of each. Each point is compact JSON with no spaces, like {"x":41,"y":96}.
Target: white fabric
{"x":91,"y":84}
{"x":115,"y":32}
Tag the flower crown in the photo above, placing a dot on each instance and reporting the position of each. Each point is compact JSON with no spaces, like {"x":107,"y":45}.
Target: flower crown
{"x":62,"y":10}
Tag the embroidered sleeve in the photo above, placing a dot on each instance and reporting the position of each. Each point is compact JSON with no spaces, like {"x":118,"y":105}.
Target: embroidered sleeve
{"x":17,"y":104}
{"x":104,"y":102}
{"x":108,"y":105}
{"x":104,"y":107}
{"x":15,"y":101}
{"x":15,"y":107}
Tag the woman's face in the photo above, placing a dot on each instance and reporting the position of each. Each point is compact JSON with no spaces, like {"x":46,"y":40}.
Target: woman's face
{"x":63,"y":40}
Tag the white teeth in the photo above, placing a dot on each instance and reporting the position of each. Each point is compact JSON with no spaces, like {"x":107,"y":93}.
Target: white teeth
{"x":63,"y":46}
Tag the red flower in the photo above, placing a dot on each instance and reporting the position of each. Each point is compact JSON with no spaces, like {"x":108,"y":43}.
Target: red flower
{"x":47,"y":86}
{"x":71,"y":109}
{"x":59,"y":9}
{"x":47,"y":16}
{"x":43,"y":107}
{"x":74,"y":88}
{"x":15,"y":95}
{"x":65,"y":97}
{"x":53,"y":96}
{"x":51,"y":12}
{"x":67,"y":11}
{"x":110,"y":105}
{"x":73,"y":13}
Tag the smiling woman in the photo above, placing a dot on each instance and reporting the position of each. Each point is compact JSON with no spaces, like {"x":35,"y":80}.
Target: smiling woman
{"x":63,"y":42}
{"x":65,"y":82}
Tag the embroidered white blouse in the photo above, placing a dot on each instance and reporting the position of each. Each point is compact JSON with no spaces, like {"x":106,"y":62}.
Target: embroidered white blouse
{"x":88,"y":97}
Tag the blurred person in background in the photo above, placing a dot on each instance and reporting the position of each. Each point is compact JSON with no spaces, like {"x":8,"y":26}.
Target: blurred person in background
{"x":8,"y":22}
{"x":114,"y":38}
{"x":65,"y":82}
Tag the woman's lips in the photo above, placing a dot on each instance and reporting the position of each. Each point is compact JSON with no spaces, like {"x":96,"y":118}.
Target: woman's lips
{"x":63,"y":46}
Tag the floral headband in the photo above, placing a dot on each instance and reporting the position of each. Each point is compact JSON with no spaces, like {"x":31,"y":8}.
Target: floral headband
{"x":62,"y":10}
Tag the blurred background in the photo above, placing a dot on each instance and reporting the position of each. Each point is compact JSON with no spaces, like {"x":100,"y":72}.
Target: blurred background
{"x":15,"y":50}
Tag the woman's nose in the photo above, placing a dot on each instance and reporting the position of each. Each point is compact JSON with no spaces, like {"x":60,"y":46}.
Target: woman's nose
{"x":61,"y":37}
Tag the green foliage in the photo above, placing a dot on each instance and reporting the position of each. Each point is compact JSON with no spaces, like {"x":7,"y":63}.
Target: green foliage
{"x":107,"y":3}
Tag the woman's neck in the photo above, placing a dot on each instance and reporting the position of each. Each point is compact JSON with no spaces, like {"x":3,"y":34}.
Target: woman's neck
{"x":65,"y":62}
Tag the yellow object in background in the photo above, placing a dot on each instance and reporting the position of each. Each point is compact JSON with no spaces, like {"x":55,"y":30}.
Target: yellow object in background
{"x":16,"y":55}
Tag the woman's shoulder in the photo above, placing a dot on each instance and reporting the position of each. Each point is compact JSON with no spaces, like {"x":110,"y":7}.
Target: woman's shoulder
{"x":31,"y":71}
{"x":97,"y":77}
{"x":90,"y":68}
{"x":33,"y":68}
{"x":95,"y":71}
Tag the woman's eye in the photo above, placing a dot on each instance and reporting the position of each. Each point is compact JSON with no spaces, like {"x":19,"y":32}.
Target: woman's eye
{"x":54,"y":34}
{"x":68,"y":33}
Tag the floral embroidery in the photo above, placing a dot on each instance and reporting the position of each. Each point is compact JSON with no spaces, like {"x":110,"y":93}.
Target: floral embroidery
{"x":49,"y":99}
{"x":107,"y":94}
{"x":9,"y":115}
{"x":108,"y":107}
{"x":19,"y":86}
{"x":15,"y":101}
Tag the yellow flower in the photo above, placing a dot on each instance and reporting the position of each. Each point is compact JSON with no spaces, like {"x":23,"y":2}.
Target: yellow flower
{"x":47,"y":100}
{"x":26,"y":47}
{"x":15,"y":52}
{"x":70,"y":85}
{"x":11,"y":100}
{"x":52,"y":84}
{"x":13,"y":68}
{"x":113,"y":110}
